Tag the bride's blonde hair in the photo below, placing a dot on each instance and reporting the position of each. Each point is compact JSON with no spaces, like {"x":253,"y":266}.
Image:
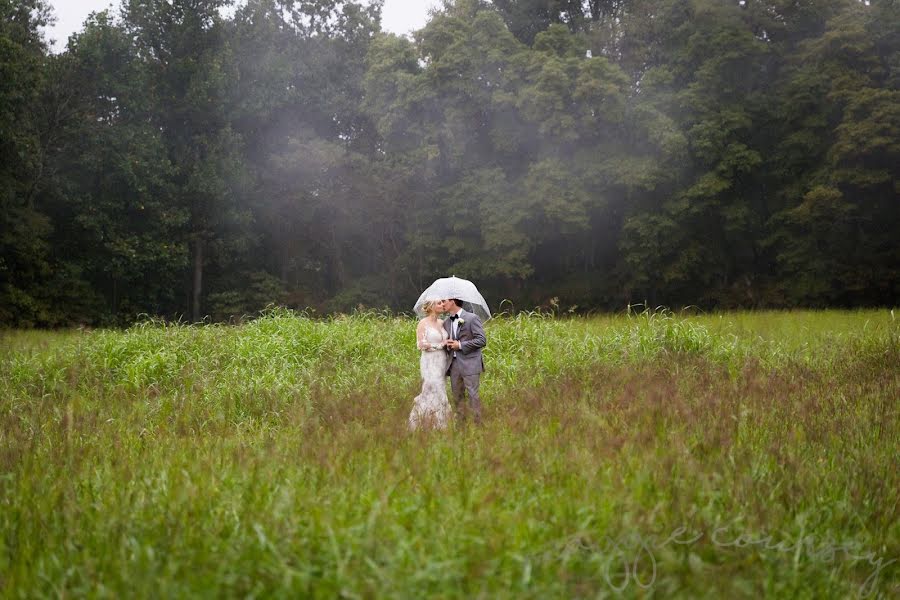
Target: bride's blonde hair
{"x":428,"y":305}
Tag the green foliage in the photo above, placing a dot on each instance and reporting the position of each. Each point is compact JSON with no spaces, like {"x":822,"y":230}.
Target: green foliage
{"x":272,"y":459}
{"x":183,"y":160}
{"x":257,"y":289}
{"x":118,"y":193}
{"x":25,"y":263}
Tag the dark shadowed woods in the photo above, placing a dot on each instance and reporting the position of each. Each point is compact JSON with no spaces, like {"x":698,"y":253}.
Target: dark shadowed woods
{"x":183,"y":161}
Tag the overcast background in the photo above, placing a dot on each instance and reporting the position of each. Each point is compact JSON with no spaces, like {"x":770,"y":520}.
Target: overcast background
{"x":398,"y":16}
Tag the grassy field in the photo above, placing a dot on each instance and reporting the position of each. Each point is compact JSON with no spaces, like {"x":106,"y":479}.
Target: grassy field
{"x":739,"y":455}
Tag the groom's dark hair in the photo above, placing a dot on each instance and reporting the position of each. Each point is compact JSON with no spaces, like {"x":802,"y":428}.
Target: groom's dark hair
{"x":457,"y":301}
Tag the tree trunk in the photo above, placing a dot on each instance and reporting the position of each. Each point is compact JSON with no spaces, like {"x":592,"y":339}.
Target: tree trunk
{"x":198,"y":279}
{"x":338,"y":277}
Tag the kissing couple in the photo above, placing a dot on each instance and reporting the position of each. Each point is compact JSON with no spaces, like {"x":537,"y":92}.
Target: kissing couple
{"x":449,"y":347}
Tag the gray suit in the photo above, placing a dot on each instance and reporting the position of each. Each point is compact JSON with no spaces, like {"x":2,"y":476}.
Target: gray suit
{"x":466,"y":364}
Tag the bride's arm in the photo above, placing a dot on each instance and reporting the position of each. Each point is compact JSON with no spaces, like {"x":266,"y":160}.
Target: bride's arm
{"x":421,"y":344}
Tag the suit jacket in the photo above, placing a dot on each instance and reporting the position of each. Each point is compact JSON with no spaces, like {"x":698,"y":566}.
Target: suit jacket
{"x":471,"y":337}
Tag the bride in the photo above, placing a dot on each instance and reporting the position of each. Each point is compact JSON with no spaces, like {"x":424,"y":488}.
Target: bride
{"x":431,"y":408}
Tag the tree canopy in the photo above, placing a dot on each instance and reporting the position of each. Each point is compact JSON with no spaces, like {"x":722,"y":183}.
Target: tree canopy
{"x":188,"y":162}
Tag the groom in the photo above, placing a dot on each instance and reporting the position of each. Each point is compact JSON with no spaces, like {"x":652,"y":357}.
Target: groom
{"x":466,"y":335}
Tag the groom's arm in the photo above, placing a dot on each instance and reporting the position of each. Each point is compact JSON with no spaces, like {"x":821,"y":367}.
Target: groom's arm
{"x":478,"y":339}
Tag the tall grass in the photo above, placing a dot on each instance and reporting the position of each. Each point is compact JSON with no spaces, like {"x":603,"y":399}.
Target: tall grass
{"x":653,"y":454}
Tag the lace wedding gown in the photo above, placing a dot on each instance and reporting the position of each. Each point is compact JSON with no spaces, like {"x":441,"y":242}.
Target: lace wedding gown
{"x":431,"y":408}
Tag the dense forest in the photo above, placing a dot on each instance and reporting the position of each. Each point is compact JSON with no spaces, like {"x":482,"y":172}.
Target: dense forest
{"x":196,"y":159}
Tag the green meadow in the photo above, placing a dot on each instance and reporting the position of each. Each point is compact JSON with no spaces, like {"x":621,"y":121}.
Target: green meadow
{"x":733,"y":455}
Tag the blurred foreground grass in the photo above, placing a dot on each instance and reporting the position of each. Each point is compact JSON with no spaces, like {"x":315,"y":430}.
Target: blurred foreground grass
{"x":724,"y":455}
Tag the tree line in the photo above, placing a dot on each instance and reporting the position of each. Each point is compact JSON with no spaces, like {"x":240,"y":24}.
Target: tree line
{"x":185,"y":161}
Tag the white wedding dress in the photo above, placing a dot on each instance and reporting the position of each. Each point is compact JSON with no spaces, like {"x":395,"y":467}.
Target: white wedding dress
{"x":431,"y":408}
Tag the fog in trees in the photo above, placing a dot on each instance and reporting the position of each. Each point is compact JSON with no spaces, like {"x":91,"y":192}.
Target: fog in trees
{"x":185,"y":161}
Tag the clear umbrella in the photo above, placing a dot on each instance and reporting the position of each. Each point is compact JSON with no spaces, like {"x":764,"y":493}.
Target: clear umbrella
{"x":454,"y":287}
